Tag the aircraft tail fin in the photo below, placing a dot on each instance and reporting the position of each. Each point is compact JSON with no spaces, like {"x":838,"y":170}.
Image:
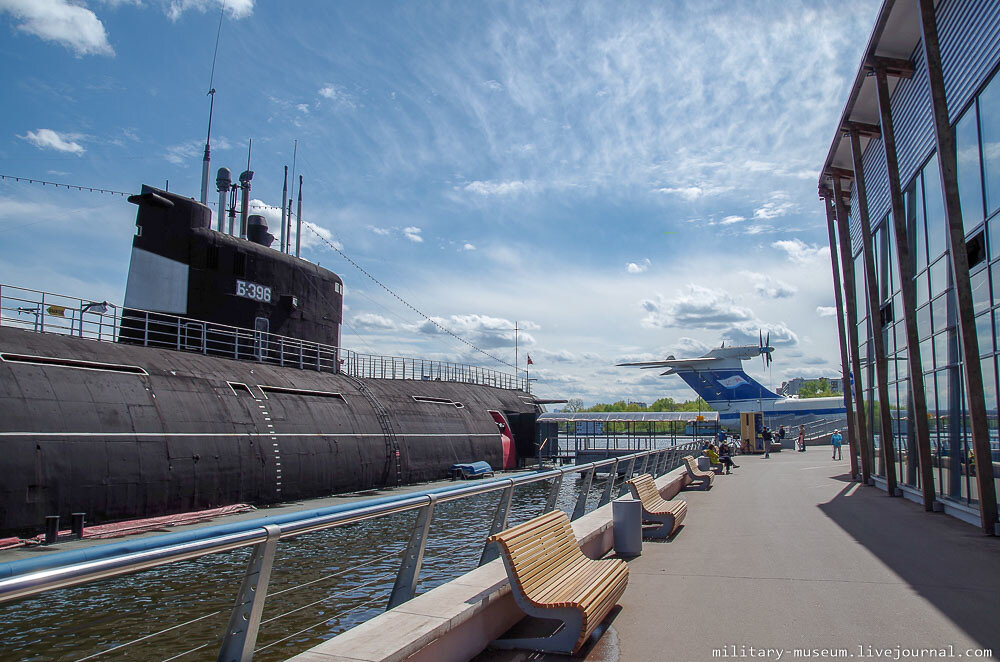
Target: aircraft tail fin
{"x":725,"y":386}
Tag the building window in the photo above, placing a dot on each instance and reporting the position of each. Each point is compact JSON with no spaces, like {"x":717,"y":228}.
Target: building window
{"x":989,"y":126}
{"x":915,"y":226}
{"x":939,"y":276}
{"x":975,"y":249}
{"x":970,"y":184}
{"x":980,"y":284}
{"x":934,"y":209}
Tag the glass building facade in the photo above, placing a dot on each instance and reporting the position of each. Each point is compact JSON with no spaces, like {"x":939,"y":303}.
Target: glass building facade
{"x":970,"y":57}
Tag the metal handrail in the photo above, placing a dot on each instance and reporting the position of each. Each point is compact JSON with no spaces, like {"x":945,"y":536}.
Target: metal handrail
{"x":265,"y":537}
{"x":105,"y":321}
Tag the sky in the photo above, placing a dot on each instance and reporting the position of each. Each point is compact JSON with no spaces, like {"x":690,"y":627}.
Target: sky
{"x":623,"y":180}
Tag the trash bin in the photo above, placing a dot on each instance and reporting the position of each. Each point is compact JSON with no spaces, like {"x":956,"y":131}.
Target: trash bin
{"x":626,"y":515}
{"x":704,"y":463}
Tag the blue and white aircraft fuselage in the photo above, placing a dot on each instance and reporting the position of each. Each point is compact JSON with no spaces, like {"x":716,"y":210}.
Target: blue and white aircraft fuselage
{"x":718,"y":377}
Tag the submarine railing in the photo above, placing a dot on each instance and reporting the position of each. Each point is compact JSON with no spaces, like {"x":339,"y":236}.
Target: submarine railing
{"x":100,"y":320}
{"x":39,"y":575}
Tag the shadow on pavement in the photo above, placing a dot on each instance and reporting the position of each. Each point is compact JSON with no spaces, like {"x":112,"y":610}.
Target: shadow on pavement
{"x":949,"y":563}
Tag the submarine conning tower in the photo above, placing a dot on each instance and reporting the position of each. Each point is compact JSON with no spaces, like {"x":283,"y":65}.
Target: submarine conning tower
{"x":182,"y":268}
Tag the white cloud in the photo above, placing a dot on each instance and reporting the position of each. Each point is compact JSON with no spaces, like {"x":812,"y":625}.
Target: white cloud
{"x":493,"y":86}
{"x":773,"y":210}
{"x":488,"y":188}
{"x":729,"y":220}
{"x":49,"y":139}
{"x":339,"y":95}
{"x":413,"y":234}
{"x":687,"y":192}
{"x":769,"y":287}
{"x":372,"y":322}
{"x":638,"y":267}
{"x":468,"y":247}
{"x":382,"y":232}
{"x":66,"y":23}
{"x":826,"y":311}
{"x":482,"y":330}
{"x":748,"y":333}
{"x":193,"y":150}
{"x":235,"y":8}
{"x":800,"y":252}
{"x":695,"y":307}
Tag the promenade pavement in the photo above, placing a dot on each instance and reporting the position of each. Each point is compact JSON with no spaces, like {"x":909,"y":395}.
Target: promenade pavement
{"x":787,"y":559}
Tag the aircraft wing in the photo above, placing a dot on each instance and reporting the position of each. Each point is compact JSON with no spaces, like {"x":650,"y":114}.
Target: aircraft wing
{"x":668,"y":363}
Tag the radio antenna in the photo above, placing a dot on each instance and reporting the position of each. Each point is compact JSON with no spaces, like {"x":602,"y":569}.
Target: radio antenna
{"x":211,"y":108}
{"x":295,"y":153}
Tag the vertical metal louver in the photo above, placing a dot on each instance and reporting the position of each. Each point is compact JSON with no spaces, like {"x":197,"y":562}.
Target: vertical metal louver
{"x":969,"y":32}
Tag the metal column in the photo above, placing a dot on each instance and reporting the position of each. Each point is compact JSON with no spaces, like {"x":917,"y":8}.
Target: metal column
{"x":874,"y":317}
{"x":847,"y":264}
{"x":909,"y":296}
{"x":852,"y":438}
{"x":960,"y":272}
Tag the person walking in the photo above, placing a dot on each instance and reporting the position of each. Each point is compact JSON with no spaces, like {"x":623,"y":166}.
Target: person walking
{"x":802,"y":439}
{"x":836,"y":440}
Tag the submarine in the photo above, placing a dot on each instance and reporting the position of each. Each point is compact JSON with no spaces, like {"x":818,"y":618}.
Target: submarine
{"x":220,"y":381}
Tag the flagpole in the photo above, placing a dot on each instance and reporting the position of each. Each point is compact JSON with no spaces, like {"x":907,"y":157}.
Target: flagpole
{"x":515,"y":347}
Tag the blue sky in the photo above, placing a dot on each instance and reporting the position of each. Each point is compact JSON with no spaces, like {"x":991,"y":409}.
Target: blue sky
{"x":625,"y":179}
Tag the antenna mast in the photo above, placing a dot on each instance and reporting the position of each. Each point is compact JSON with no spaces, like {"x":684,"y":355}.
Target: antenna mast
{"x":211,"y":108}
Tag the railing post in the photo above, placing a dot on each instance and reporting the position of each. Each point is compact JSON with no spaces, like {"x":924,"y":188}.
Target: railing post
{"x":609,"y":486}
{"x":645,"y":463}
{"x":499,"y":524}
{"x":41,"y":326}
{"x":244,"y":622}
{"x":581,"y":499}
{"x":628,"y":475}
{"x":409,"y":571}
{"x":550,"y":502}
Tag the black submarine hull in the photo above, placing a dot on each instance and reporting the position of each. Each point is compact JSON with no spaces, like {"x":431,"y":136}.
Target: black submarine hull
{"x":121,"y":432}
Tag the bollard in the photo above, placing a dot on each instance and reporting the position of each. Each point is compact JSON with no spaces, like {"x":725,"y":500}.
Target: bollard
{"x":626,"y":516}
{"x":77,"y":527}
{"x":51,"y":529}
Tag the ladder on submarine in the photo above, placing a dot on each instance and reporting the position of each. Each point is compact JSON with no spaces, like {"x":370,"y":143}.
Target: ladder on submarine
{"x":391,"y":442}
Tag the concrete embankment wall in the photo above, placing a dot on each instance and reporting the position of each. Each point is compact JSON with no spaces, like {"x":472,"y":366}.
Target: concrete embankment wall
{"x":457,"y":620}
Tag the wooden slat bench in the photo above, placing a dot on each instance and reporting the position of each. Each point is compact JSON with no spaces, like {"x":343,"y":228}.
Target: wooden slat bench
{"x":703,"y":478}
{"x":669,"y":514}
{"x":552,"y":579}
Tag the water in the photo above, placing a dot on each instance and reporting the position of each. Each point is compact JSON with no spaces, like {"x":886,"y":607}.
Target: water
{"x":322,"y":584}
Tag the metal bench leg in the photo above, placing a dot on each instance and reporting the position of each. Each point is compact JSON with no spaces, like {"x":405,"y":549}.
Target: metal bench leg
{"x":662,"y":531}
{"x":562,"y":641}
{"x":581,"y":500}
{"x":550,"y":502}
{"x":490,"y":552}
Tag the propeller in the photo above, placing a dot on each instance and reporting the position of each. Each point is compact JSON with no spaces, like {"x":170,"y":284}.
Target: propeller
{"x":765,"y":348}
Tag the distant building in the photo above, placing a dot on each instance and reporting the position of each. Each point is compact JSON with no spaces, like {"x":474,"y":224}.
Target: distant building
{"x":794,"y":385}
{"x":641,"y":404}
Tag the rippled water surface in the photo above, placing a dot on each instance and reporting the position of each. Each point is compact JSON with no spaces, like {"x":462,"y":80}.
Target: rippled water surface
{"x":322,"y":584}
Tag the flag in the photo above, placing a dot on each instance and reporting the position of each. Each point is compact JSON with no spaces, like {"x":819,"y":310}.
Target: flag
{"x":530,"y":362}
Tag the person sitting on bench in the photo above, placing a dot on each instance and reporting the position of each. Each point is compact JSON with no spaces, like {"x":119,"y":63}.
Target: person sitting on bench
{"x":725,"y":459}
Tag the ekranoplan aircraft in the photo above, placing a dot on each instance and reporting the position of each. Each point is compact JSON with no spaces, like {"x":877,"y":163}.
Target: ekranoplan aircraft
{"x":718,"y":377}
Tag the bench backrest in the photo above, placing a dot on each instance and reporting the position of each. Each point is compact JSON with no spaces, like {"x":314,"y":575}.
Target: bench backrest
{"x":539,"y":548}
{"x":645,"y":487}
{"x":689,"y":459}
